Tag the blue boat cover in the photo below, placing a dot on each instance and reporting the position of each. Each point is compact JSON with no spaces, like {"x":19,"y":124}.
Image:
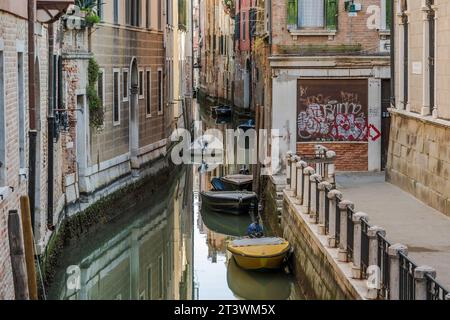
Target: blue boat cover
{"x":217,"y":184}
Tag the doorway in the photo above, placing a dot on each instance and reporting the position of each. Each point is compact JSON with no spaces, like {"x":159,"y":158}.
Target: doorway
{"x":385,"y":120}
{"x":134,"y":114}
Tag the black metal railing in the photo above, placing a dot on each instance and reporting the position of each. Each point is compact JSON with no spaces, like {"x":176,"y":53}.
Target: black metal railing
{"x":383,"y":265}
{"x":364,"y":246}
{"x":317,"y":200}
{"x":338,"y":220}
{"x":327,"y":211}
{"x":350,"y":232}
{"x":309,"y":193}
{"x":435,"y":291}
{"x":406,"y":286}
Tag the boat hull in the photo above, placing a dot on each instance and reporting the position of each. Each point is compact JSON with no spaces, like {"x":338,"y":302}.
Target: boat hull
{"x":260,"y":263}
{"x":227,"y":202}
{"x":239,"y":183}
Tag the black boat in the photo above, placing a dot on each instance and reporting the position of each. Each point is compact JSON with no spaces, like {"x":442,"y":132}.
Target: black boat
{"x":223,"y":110}
{"x":232,"y":202}
{"x":238,"y":182}
{"x":249,"y":124}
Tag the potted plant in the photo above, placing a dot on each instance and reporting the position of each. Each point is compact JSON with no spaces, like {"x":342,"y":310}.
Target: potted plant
{"x":89,"y":9}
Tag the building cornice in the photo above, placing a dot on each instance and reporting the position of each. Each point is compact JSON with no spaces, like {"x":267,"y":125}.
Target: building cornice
{"x":283,"y":61}
{"x":425,"y":119}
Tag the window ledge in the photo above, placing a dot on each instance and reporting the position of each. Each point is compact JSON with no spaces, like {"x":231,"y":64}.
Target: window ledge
{"x":306,"y":32}
{"x":424,"y":118}
{"x":384,"y":32}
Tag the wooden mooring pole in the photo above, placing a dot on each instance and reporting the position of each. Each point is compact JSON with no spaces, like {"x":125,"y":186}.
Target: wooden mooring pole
{"x":17,"y":256}
{"x":28,"y":242}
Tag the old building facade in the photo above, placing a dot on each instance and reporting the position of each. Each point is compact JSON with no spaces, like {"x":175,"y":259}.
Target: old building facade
{"x":419,"y":152}
{"x":330,"y":78}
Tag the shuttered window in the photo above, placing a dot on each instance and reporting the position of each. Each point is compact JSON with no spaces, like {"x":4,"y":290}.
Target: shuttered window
{"x":312,"y":14}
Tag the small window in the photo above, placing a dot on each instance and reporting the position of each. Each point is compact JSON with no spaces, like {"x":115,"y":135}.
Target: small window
{"x":116,"y":11}
{"x":141,"y":84}
{"x":311,"y":14}
{"x":244,"y":27}
{"x":21,"y":102}
{"x":133,"y":12}
{"x":100,"y":4}
{"x":116,"y":97}
{"x":101,"y":86}
{"x":125,"y":84}
{"x":148,"y":92}
{"x":160,"y":14}
{"x":148,"y":13}
{"x":160,"y":92}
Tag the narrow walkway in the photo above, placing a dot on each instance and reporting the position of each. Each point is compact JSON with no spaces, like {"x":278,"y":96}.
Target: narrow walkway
{"x":407,"y":220}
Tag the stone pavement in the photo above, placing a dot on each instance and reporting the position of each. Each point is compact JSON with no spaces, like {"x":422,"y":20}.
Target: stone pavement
{"x":407,"y":220}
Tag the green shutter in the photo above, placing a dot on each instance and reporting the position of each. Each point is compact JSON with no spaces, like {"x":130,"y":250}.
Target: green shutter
{"x":331,"y":14}
{"x":388,"y":14}
{"x":292,"y":14}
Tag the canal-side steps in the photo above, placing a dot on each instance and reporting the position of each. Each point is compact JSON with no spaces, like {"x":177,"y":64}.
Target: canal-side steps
{"x":336,"y":249}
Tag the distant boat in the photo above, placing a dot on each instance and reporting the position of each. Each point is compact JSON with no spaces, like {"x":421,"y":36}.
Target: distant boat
{"x":259,"y":253}
{"x":223,"y":110}
{"x":249,"y":124}
{"x":232,"y":202}
{"x":252,"y":285}
{"x":238,"y":182}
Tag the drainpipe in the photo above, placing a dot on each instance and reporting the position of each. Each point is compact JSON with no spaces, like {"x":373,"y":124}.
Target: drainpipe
{"x":32,"y":134}
{"x":50,"y":128}
{"x":392,"y":38}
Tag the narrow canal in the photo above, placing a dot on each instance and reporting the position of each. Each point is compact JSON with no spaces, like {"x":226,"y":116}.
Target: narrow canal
{"x":167,"y":247}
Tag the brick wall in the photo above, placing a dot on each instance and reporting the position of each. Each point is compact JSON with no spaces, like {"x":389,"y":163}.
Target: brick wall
{"x":349,"y":156}
{"x":354,"y":31}
{"x":12,"y":29}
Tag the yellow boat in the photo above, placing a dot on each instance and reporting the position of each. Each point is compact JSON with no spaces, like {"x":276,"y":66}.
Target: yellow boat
{"x":259,"y":253}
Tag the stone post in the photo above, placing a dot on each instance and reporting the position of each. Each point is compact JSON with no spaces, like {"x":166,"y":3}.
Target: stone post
{"x":314,"y":211}
{"x":372,"y":233}
{"x":294,"y":160}
{"x":420,"y":281}
{"x":300,"y":165}
{"x":394,"y":269}
{"x":343,"y":208}
{"x":332,"y":227}
{"x":330,"y":171}
{"x":356,"y":269}
{"x":307,"y":173}
{"x":288,"y":167}
{"x":323,"y":187}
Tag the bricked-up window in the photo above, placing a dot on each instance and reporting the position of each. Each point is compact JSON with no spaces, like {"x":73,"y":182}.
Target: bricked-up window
{"x":2,"y":124}
{"x":116,"y":97}
{"x":148,"y":96}
{"x":141,"y":84}
{"x":116,"y":11}
{"x":160,"y":92}
{"x":21,"y":102}
{"x":133,"y":12}
{"x":125,"y":84}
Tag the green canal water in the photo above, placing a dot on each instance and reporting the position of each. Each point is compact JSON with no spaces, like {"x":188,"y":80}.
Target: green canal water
{"x":166,"y":248}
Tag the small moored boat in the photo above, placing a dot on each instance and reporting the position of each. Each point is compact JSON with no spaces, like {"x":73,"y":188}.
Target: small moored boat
{"x":238,"y":181}
{"x":234,"y":202}
{"x":259,"y":253}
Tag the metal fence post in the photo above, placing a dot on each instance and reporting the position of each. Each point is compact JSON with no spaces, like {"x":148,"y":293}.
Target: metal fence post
{"x":394,"y":269}
{"x":323,"y":186}
{"x":356,"y":268}
{"x":313,"y":213}
{"x":343,"y":207}
{"x":374,"y":287}
{"x":307,"y":172}
{"x":300,"y":165}
{"x":420,"y":281}
{"x":332,"y":229}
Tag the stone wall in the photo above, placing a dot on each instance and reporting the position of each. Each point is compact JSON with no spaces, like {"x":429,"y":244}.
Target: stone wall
{"x":419,"y":159}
